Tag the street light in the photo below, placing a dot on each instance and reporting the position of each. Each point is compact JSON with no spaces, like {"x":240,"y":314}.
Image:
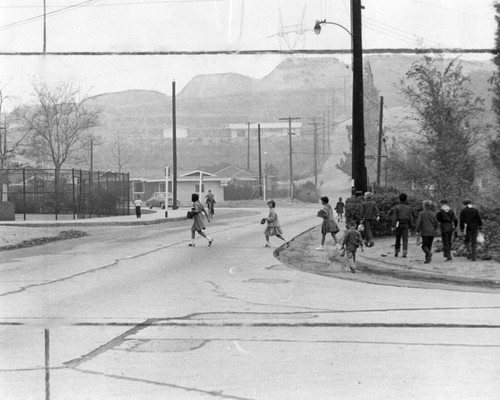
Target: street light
{"x":317,"y":26}
{"x":358,"y":128}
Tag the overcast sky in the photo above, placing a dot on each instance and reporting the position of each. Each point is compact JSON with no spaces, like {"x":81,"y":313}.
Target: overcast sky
{"x":211,"y":25}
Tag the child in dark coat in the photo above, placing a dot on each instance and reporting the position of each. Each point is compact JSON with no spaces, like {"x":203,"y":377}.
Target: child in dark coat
{"x":352,"y":240}
{"x":426,"y":226}
{"x":448,"y":223}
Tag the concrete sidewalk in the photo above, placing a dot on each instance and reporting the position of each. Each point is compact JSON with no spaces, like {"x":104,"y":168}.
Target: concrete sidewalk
{"x":380,"y":261}
{"x":148,"y":217}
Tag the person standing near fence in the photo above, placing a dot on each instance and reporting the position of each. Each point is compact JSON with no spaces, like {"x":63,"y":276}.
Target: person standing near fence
{"x":402,"y":222}
{"x":426,"y":226}
{"x":138,"y":205}
{"x":447,"y":223}
{"x":471,"y":221}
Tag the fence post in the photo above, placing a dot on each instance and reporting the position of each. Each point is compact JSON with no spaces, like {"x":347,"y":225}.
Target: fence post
{"x":73,"y":187}
{"x":56,"y":181}
{"x":24,"y":193}
{"x":81,"y":195}
{"x":90,"y":193}
{"x":128,"y":193}
{"x":99,"y":199}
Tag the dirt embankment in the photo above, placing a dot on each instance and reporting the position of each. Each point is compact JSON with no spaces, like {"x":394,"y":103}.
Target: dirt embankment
{"x":16,"y":237}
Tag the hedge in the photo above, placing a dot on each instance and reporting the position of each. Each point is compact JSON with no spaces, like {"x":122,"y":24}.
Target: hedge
{"x":387,"y":201}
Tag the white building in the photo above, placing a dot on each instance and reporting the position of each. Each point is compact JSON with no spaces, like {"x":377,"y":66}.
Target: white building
{"x":267,"y":129}
{"x":181,"y":132}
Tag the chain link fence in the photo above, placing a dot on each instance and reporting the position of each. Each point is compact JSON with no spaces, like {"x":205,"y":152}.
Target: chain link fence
{"x":76,"y":193}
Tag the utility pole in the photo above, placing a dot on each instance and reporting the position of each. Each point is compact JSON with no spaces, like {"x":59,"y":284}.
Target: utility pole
{"x":358,"y":123}
{"x":327,"y":130}
{"x":174,"y":150}
{"x":44,"y":27}
{"x":3,"y":146}
{"x":290,"y":155}
{"x":380,"y":135}
{"x":91,"y":154}
{"x":248,"y":147}
{"x":315,"y":152}
{"x":323,"y":129}
{"x":260,"y":162}
{"x":331,"y":132}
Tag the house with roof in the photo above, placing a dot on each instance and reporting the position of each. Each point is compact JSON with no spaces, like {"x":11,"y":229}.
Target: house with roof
{"x":196,"y":181}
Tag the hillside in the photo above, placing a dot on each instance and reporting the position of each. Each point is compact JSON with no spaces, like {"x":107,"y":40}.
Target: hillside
{"x":215,"y":85}
{"x":298,"y":87}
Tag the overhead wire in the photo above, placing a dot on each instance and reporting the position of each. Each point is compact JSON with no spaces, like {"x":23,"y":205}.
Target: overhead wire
{"x":455,"y":10}
{"x":48,"y":14}
{"x":395,"y":33}
{"x":124,"y":3}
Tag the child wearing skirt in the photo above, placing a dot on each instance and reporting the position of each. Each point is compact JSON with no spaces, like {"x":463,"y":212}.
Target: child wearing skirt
{"x":329,"y":225}
{"x":273,"y":224}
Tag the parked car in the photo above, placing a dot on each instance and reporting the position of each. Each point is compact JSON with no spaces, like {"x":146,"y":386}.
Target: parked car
{"x":158,"y":200}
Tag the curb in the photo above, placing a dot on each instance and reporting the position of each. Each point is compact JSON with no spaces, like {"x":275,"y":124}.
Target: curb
{"x":407,"y":274}
{"x":379,"y":268}
{"x":92,"y":223}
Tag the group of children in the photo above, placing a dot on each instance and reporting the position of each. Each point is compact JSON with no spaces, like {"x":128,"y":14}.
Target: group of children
{"x":348,"y":244}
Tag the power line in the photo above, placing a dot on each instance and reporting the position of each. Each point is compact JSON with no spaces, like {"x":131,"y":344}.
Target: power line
{"x":119,"y":4}
{"x":49,"y":14}
{"x":393,"y":32}
{"x":387,"y":50}
{"x":446,"y":9}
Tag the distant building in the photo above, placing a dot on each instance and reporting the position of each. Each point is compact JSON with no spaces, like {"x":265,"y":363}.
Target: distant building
{"x":190,"y":182}
{"x":180,"y":132}
{"x":269,"y":129}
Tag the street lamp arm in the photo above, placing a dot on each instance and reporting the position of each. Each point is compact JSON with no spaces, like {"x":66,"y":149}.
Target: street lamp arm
{"x":317,"y":26}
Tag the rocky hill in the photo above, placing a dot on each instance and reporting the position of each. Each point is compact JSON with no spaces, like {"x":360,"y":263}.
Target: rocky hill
{"x":299,"y":87}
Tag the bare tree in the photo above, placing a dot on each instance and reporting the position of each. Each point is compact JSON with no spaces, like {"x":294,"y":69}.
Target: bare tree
{"x":59,"y":122}
{"x":8,"y":149}
{"x":120,"y":152}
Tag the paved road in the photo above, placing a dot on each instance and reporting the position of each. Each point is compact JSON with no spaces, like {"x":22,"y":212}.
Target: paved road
{"x":133,"y":313}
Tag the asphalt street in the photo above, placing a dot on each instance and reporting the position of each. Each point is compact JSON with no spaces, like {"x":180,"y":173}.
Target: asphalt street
{"x":132,"y":312}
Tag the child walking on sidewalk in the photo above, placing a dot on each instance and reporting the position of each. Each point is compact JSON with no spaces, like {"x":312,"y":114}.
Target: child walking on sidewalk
{"x":352,"y":240}
{"x":329,"y":225}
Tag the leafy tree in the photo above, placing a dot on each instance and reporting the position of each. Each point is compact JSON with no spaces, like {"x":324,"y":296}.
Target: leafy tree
{"x":345,"y":164}
{"x":59,"y":122}
{"x":371,"y":119}
{"x":495,"y":83}
{"x":448,"y":115}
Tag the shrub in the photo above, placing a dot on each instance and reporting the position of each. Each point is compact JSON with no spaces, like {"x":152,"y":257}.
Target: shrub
{"x":491,"y":231}
{"x":307,"y":193}
{"x":385,"y":203}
